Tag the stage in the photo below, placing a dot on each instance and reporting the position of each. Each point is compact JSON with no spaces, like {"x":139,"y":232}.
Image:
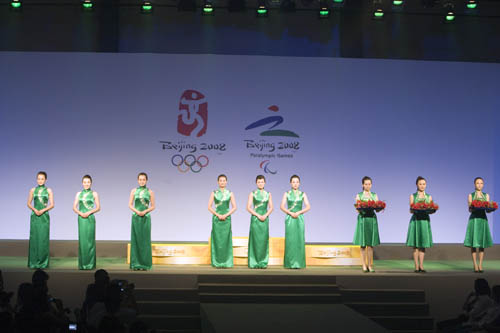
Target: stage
{"x":437,"y":294}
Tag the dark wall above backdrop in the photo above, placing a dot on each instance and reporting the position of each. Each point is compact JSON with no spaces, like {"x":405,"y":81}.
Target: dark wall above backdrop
{"x":411,"y":31}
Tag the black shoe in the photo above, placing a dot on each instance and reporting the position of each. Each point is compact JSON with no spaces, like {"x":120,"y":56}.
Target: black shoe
{"x":416,"y":271}
{"x":422,"y":271}
{"x":481,"y":271}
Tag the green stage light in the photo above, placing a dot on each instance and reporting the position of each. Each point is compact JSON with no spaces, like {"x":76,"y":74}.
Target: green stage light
{"x":146,"y":7}
{"x":471,"y":4}
{"x":397,"y":2}
{"x":16,"y":4}
{"x":207,"y":9}
{"x":378,"y":13}
{"x":324,"y":10}
{"x":87,"y":5}
{"x":338,"y":1}
{"x":262,"y":11}
{"x":450,"y":16}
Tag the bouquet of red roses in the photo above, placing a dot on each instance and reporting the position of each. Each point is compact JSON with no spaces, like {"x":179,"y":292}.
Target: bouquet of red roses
{"x":488,"y":206}
{"x":370,"y":205}
{"x":424,"y":207}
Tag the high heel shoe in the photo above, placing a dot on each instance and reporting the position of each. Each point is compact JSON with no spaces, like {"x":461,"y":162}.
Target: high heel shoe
{"x":371,"y":270}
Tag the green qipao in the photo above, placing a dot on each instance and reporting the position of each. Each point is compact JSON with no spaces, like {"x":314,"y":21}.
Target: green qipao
{"x":258,"y":240}
{"x":86,"y":231}
{"x":419,"y":230}
{"x":295,"y":245}
{"x":366,"y":233}
{"x":39,"y":255}
{"x":221,"y":238}
{"x":141,"y":257}
{"x":478,"y":231}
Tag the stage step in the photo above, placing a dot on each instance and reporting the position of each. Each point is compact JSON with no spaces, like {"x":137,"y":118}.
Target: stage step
{"x":383,"y":295}
{"x":267,"y":279}
{"x":169,"y":307}
{"x":172,"y":322}
{"x":280,"y":298}
{"x":274,"y":288}
{"x":395,"y":309}
{"x":171,"y":310}
{"x":166,"y":294}
{"x":413,"y":323}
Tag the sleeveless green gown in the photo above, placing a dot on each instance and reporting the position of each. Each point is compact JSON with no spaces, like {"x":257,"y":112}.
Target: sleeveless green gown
{"x":366,"y":233}
{"x":258,"y":240}
{"x":419,"y":230}
{"x":478,"y":231}
{"x":86,"y":231}
{"x":295,"y":245}
{"x":221,"y":238}
{"x":141,"y":256}
{"x":39,"y":254}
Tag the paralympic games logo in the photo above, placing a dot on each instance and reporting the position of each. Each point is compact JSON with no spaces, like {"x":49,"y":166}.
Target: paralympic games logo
{"x":275,"y":120}
{"x":193,"y":114}
{"x":189,"y":162}
{"x":265,"y":166}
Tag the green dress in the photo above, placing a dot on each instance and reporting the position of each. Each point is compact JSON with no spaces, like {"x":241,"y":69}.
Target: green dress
{"x":478,"y":231}
{"x":419,"y":230}
{"x":86,"y":231}
{"x":141,"y":256}
{"x":258,"y":241}
{"x":221,"y":238}
{"x":295,"y":244}
{"x":39,"y":254}
{"x":366,"y":233}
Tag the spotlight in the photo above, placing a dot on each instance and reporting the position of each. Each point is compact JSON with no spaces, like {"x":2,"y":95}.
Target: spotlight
{"x":397,"y":2}
{"x":378,"y":11}
{"x":471,"y":4}
{"x":207,"y":8}
{"x":450,"y":11}
{"x":338,"y":1}
{"x":147,"y":6}
{"x":324,"y":11}
{"x":262,"y":9}
{"x":87,"y":5}
{"x":16,"y":5}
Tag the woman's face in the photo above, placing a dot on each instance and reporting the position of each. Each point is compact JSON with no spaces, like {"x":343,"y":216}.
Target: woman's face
{"x":86,"y":183}
{"x":222,"y":181}
{"x":142,"y":180}
{"x":421,"y":185}
{"x":479,"y":184}
{"x":261,"y":183}
{"x":367,"y":185}
{"x":40,"y":179}
{"x":295,"y":183}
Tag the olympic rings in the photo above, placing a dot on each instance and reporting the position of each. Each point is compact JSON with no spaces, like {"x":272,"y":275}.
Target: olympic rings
{"x":189,"y":162}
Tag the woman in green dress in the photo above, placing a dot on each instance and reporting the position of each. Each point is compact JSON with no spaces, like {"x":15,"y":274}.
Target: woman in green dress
{"x":295,"y":245}
{"x":419,"y":231}
{"x":141,"y":202}
{"x":221,"y":238}
{"x":40,"y":201}
{"x":366,"y":234}
{"x":478,"y":234}
{"x":258,"y":240}
{"x":86,"y":204}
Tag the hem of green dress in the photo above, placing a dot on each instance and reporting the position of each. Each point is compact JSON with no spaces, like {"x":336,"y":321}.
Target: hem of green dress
{"x":38,"y":267}
{"x":258,"y":266}
{"x":420,"y":246}
{"x":294,"y":267}
{"x":477,"y":246}
{"x":222,"y":266}
{"x":140,"y":267}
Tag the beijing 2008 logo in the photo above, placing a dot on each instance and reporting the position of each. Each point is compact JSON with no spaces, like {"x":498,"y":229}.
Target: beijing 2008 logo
{"x":193,"y":114}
